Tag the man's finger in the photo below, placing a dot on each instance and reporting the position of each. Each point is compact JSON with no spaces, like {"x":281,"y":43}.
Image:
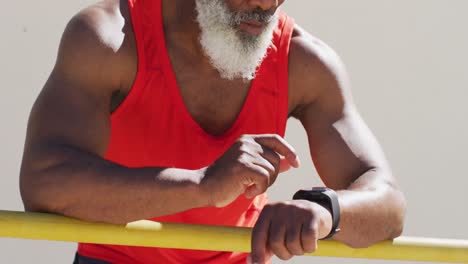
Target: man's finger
{"x":269,"y":255}
{"x":271,"y":156}
{"x":280,"y":146}
{"x":309,"y":236}
{"x":293,"y":238}
{"x":274,"y":160}
{"x":264,"y":162}
{"x":260,"y":177}
{"x":277,"y":239}
{"x":252,"y":191}
{"x":260,"y":252}
{"x":284,"y":165}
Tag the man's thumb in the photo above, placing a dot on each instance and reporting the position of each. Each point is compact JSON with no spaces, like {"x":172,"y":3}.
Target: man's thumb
{"x":284,"y":165}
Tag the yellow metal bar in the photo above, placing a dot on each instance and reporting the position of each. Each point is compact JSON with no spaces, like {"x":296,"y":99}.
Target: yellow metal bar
{"x":168,"y":235}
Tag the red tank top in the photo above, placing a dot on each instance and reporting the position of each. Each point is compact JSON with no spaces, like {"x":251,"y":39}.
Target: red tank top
{"x":154,"y":117}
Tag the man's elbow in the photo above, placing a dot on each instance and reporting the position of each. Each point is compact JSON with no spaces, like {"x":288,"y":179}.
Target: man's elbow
{"x":390,"y":224}
{"x":38,"y":193}
{"x":393,"y":210}
{"x":398,"y":215}
{"x":394,"y":231}
{"x":34,"y":202}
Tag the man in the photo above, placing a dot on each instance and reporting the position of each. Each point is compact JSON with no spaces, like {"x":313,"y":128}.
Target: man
{"x":174,"y":110}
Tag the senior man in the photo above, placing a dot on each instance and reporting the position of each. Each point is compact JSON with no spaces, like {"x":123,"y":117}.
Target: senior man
{"x":174,"y":110}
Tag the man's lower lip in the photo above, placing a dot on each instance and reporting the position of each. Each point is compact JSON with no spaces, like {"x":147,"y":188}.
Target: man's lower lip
{"x":251,"y":28}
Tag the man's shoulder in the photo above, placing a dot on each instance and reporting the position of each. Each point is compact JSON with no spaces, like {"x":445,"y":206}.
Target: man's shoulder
{"x":92,"y":44}
{"x":99,"y":25}
{"x":313,"y":65}
{"x":311,"y":53}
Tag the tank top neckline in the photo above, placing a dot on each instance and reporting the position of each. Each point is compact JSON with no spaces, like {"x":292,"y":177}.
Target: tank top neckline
{"x":176,"y":94}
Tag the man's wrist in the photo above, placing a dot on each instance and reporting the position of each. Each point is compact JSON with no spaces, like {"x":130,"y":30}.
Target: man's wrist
{"x":188,"y":183}
{"x":204,"y":193}
{"x":328,"y":200}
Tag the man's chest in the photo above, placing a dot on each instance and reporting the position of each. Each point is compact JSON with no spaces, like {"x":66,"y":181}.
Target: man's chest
{"x":213,"y":103}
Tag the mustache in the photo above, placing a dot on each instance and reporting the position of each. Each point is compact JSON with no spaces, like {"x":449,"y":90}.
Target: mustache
{"x":257,"y":15}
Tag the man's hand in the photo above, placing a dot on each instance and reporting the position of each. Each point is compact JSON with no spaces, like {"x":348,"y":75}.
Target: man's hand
{"x":289,"y":229}
{"x":248,"y":167}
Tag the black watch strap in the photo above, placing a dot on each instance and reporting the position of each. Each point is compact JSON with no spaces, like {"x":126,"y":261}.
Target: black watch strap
{"x":327,"y":198}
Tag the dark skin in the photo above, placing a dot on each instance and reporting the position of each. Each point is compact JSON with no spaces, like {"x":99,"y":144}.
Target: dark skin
{"x":63,"y":169}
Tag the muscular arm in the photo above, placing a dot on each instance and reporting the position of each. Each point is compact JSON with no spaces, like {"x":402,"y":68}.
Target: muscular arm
{"x":347,"y":156}
{"x":63,"y":169}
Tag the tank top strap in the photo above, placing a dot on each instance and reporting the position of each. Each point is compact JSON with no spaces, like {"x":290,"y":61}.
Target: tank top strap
{"x":148,"y":13}
{"x":283,"y":70}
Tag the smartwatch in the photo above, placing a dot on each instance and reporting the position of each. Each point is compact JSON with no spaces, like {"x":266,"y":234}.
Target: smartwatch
{"x":327,"y":198}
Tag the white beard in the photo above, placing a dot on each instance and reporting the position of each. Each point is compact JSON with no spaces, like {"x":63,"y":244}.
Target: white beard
{"x":234,"y":53}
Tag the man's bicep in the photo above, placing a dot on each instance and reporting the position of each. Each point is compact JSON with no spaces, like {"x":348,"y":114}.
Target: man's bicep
{"x":66,"y":114}
{"x":341,"y":144}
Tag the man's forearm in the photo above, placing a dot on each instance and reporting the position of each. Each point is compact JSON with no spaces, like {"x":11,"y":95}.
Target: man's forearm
{"x":371,"y":210}
{"x":87,"y":187}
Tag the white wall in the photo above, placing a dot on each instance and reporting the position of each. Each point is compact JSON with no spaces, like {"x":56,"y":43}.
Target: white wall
{"x":408,"y":62}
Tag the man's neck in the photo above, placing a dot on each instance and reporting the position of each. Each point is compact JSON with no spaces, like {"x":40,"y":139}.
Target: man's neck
{"x":180,"y":24}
